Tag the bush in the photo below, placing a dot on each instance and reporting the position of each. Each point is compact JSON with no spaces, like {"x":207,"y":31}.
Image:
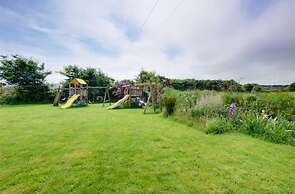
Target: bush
{"x":250,"y":99}
{"x":198,"y":111}
{"x":189,"y":99}
{"x":277,"y":130}
{"x":8,"y":96}
{"x":291,"y":87}
{"x":169,"y":104}
{"x":27,"y":76}
{"x":207,"y":111}
{"x":218,"y":125}
{"x":269,"y":116}
{"x":248,"y":87}
{"x":274,"y":104}
{"x":235,"y":97}
{"x":253,"y":124}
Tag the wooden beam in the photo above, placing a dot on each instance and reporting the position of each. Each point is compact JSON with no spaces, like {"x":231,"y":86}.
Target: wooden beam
{"x":104,"y":98}
{"x":98,"y":87}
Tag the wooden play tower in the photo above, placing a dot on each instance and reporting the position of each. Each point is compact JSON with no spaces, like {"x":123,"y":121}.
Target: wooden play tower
{"x":78,"y":86}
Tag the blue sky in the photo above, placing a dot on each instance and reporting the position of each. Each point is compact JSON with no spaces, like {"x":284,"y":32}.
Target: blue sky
{"x":246,"y":40}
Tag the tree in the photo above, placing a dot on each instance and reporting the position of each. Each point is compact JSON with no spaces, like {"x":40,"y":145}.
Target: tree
{"x":72,"y":71}
{"x":292,"y":87}
{"x":164,"y":81}
{"x":27,"y":76}
{"x":249,"y":87}
{"x":94,"y":77}
{"x":257,"y":88}
{"x":232,"y":85}
{"x":147,"y":76}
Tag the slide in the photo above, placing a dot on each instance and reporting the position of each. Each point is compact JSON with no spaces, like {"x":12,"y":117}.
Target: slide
{"x":70,"y":101}
{"x":119,"y":102}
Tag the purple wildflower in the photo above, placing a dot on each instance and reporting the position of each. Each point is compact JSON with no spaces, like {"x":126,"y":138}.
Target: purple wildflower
{"x":232,"y":108}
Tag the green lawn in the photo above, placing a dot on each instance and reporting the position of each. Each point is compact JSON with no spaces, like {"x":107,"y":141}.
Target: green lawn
{"x":93,"y":150}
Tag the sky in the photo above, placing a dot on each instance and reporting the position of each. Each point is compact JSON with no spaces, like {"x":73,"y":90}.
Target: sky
{"x":245,"y":40}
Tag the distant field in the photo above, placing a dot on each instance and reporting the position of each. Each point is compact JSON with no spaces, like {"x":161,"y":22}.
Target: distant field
{"x":92,"y":150}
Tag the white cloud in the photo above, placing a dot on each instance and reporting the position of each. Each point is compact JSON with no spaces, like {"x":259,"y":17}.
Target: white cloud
{"x":215,"y":38}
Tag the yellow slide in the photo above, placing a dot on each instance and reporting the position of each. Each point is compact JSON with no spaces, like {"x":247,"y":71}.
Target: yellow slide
{"x":70,"y":101}
{"x":119,"y":102}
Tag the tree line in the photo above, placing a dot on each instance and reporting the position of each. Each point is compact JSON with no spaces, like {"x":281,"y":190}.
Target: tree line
{"x":27,"y":78}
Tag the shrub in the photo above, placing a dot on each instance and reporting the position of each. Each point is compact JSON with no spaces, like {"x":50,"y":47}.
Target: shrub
{"x":185,"y":101}
{"x":235,"y":97}
{"x":253,"y":124}
{"x":169,"y":104}
{"x":189,"y":99}
{"x":291,"y":87}
{"x":248,"y":87}
{"x":257,"y":88}
{"x":277,"y":130}
{"x":218,"y":125}
{"x":276,"y":104}
{"x":207,"y":111}
{"x":199,"y":111}
{"x":27,"y":76}
{"x":8,"y":96}
{"x":269,"y":116}
{"x":251,"y":99}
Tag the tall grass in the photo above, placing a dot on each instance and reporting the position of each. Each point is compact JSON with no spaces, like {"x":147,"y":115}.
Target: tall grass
{"x":265,"y":115}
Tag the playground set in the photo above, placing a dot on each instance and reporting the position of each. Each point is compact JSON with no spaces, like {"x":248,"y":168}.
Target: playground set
{"x":138,"y":95}
{"x":78,"y":94}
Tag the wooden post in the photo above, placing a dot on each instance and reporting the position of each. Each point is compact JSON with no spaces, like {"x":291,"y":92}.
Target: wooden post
{"x":161,"y":102}
{"x":104,"y":98}
{"x":69,"y":89}
{"x":109,"y":96}
{"x":147,"y":104}
{"x":87,"y":94}
{"x":58,"y":95}
{"x":153,"y":94}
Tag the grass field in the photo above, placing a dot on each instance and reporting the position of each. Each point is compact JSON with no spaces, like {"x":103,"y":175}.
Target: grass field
{"x":92,"y":150}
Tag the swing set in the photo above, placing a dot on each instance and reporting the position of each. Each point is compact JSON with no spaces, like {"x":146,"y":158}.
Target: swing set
{"x":78,"y":93}
{"x":141,"y":94}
